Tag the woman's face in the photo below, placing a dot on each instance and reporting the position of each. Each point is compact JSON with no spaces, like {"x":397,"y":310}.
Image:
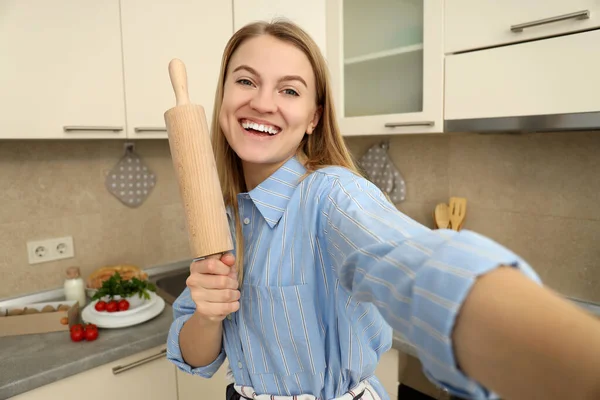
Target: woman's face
{"x":268,"y":102}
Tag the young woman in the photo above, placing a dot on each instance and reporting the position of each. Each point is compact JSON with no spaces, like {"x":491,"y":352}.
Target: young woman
{"x":324,"y":266}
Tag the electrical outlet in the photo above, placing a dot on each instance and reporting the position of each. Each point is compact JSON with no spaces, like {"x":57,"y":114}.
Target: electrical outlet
{"x":40,"y":251}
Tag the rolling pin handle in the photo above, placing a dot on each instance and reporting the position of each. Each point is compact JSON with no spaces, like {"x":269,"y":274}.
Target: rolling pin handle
{"x":178,"y":76}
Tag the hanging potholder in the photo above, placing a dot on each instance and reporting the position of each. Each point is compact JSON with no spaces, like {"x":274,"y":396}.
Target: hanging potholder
{"x":383,"y":173}
{"x":130,"y":181}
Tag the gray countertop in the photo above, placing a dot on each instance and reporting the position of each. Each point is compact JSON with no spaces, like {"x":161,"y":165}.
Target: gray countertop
{"x":31,"y":361}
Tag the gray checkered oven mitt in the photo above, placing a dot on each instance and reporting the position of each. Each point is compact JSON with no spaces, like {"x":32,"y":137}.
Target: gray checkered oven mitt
{"x":380,"y":170}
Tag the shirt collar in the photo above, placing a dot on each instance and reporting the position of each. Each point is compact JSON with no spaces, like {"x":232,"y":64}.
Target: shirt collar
{"x":272,"y":195}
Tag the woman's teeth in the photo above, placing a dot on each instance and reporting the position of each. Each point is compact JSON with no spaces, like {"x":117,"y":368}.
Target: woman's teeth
{"x":271,"y":130}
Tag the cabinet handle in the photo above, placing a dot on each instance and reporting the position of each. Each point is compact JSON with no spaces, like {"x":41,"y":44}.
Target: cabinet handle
{"x":122,"y":368}
{"x":149,"y":129}
{"x":418,"y":123}
{"x":585,"y":14}
{"x":70,"y":128}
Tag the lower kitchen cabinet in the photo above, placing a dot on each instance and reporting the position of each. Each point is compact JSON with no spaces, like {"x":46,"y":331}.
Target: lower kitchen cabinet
{"x":388,"y":371}
{"x":193,"y":387}
{"x":147,"y":375}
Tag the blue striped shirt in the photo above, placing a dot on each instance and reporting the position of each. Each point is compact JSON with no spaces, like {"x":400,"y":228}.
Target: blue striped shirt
{"x":331,"y":267}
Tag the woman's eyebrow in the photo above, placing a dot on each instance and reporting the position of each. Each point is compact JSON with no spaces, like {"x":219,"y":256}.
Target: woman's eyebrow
{"x":284,"y":78}
{"x":293,"y":78}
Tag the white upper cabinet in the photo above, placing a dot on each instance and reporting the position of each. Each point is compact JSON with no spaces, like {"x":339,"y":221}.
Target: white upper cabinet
{"x":308,"y":14}
{"x":542,"y":77}
{"x":473,"y":24}
{"x":155,"y":32}
{"x":386,"y":61}
{"x":61,"y":73}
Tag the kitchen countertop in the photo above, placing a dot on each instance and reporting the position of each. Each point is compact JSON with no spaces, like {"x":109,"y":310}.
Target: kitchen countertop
{"x":31,"y":361}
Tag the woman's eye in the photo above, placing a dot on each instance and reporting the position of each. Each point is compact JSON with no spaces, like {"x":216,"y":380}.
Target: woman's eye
{"x":291,"y":92}
{"x":244,"y":82}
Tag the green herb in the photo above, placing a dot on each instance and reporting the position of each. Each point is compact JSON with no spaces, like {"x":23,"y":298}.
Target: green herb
{"x":117,"y":286}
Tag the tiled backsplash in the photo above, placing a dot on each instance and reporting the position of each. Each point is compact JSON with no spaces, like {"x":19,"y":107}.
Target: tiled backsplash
{"x":537,"y":194}
{"x":56,"y":188}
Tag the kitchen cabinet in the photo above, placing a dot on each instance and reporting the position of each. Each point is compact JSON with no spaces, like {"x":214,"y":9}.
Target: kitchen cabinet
{"x":147,"y":375}
{"x":61,"y":75}
{"x":192,"y":387}
{"x":386,"y":62}
{"x":309,"y":15}
{"x":388,"y":371}
{"x":99,"y":70}
{"x":473,"y":24}
{"x":544,"y":77}
{"x":155,"y":32}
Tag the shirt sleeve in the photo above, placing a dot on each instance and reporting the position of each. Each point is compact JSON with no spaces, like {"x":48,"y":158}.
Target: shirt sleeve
{"x":183,"y":309}
{"x":417,"y":277}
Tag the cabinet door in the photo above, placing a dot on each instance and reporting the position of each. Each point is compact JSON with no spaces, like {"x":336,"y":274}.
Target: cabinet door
{"x":309,"y":15}
{"x":147,"y":375}
{"x":155,"y":32}
{"x":386,"y":60}
{"x":388,"y":372}
{"x":61,"y":71}
{"x":473,"y":24}
{"x":192,"y":387}
{"x":534,"y":78}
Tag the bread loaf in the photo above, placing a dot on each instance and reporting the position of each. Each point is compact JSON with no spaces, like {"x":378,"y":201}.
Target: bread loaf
{"x":126,"y":271}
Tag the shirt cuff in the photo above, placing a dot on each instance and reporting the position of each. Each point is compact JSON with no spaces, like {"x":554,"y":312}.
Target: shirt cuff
{"x":174,"y":352}
{"x":434,"y":318}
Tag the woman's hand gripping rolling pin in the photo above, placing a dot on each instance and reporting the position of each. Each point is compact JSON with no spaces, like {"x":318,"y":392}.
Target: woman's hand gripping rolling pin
{"x":213,"y":286}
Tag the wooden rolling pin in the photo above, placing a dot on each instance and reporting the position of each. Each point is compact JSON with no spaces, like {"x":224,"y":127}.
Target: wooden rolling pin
{"x":194,"y":163}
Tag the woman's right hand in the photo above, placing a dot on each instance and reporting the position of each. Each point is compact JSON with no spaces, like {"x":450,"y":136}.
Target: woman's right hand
{"x":213,"y":286}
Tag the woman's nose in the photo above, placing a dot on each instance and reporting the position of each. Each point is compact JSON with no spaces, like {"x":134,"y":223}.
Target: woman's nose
{"x":263,"y":102}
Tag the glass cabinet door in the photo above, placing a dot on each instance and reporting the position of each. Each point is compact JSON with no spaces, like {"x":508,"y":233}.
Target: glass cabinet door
{"x":387,"y":63}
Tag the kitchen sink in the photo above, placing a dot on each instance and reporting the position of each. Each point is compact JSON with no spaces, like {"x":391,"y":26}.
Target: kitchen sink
{"x":169,"y":285}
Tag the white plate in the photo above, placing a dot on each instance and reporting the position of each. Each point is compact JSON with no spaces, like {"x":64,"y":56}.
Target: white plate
{"x":135,"y":305}
{"x":107,"y":321}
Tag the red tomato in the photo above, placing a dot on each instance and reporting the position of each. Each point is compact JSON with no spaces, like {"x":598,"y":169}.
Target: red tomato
{"x":100,"y":306}
{"x":77,"y":335}
{"x":91,"y":334}
{"x":77,"y":328}
{"x":112,"y":306}
{"x":90,"y":327}
{"x":123,"y":305}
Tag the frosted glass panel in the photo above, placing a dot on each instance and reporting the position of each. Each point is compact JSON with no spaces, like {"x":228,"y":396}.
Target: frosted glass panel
{"x":383,"y":57}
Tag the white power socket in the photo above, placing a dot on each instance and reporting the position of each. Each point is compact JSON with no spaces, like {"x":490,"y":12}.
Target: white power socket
{"x":40,"y":251}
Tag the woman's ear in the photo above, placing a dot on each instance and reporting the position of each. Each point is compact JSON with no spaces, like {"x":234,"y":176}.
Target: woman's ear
{"x":315,"y":120}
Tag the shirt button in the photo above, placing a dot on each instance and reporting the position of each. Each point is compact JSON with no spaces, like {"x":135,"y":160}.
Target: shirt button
{"x":229,"y":317}
{"x":246,"y":221}
{"x":239,"y":364}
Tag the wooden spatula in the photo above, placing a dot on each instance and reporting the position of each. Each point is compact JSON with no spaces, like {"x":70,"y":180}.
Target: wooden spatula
{"x":441,"y":216}
{"x":194,"y":163}
{"x":458,"y":211}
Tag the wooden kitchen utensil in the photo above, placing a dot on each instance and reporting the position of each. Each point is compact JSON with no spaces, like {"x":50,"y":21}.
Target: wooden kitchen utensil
{"x":457,"y":211}
{"x":441,"y":216}
{"x":194,"y":163}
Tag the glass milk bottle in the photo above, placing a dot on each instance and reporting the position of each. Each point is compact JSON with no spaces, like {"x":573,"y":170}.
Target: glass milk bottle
{"x":74,"y":286}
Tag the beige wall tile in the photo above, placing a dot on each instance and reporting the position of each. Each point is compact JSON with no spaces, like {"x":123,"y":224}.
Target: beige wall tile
{"x":165,"y":236}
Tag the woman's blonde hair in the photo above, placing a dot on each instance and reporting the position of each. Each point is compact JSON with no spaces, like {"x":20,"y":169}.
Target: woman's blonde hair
{"x":325,"y":146}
